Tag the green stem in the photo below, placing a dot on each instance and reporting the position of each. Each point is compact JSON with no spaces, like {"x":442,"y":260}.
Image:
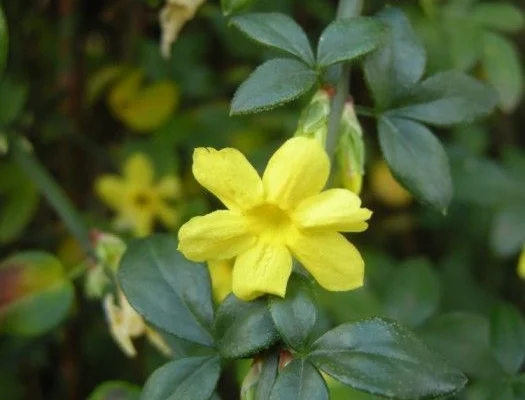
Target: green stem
{"x":51,"y":191}
{"x":345,"y":9}
{"x":365,"y":111}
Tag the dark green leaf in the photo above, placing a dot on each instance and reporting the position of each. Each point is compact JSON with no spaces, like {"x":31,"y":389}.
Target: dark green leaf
{"x":191,"y":378}
{"x":268,"y":376}
{"x":448,"y":98}
{"x":168,"y":290}
{"x":398,"y":64}
{"x":482,"y":181}
{"x":383,"y":358}
{"x":20,"y":201}
{"x":508,"y":232}
{"x":463,"y":338}
{"x":230,"y":7}
{"x":295,"y":315}
{"x":115,"y":390}
{"x":273,"y":83}
{"x":499,"y":15}
{"x":413,"y":293}
{"x":502,"y":66}
{"x":299,"y":380}
{"x":35,"y":293}
{"x":243,"y":328}
{"x":417,"y":160}
{"x":348,"y":39}
{"x":507,"y":336}
{"x":13,"y":96}
{"x":278,"y":31}
{"x":4,"y":39}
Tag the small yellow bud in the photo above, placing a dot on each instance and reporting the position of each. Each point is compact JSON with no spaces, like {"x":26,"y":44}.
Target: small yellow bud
{"x":386,"y":188}
{"x":521,"y":264}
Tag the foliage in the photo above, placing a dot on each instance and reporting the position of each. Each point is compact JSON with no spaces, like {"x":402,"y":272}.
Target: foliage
{"x":120,"y":277}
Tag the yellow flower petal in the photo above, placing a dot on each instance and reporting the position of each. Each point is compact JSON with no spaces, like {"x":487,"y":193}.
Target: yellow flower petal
{"x":142,"y":223}
{"x":169,"y":187}
{"x":332,"y":260}
{"x":297,"y":170}
{"x":521,"y":264}
{"x":217,"y":236}
{"x":335,"y":209}
{"x":138,"y":170}
{"x":221,"y":278}
{"x":110,"y":189}
{"x":265,"y":268}
{"x":167,"y":215}
{"x":229,"y":176}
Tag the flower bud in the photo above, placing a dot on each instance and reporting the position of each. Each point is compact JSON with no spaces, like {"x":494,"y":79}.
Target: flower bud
{"x":313,"y":122}
{"x":109,"y":250}
{"x":350,"y":154}
{"x":250,"y":382}
{"x":521,"y":264}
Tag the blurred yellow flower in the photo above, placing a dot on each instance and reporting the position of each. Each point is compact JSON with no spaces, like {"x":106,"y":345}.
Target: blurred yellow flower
{"x":521,"y":264}
{"x":172,"y":18}
{"x":221,"y":278}
{"x":137,"y":199}
{"x":125,"y":324}
{"x":386,"y":188}
{"x":268,"y":220}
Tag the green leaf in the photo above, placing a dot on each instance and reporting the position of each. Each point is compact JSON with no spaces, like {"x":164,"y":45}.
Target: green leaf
{"x":299,"y":380}
{"x":230,"y":7}
{"x":272,"y":84}
{"x":482,"y":181}
{"x":413,"y":293}
{"x":507,"y":336}
{"x":448,"y":98}
{"x":508,"y":232}
{"x":115,"y":390}
{"x":168,"y":290}
{"x":500,"y":16}
{"x":268,"y":376}
{"x":4,"y":39}
{"x":277,"y":31}
{"x":381,"y":357}
{"x":192,"y":378}
{"x":348,"y":39}
{"x":417,"y":160}
{"x":244,"y":328}
{"x":295,"y":315}
{"x":20,"y":201}
{"x":13,"y":96}
{"x":502,"y":66}
{"x":36,"y":295}
{"x":398,"y":64}
{"x":464,"y":339}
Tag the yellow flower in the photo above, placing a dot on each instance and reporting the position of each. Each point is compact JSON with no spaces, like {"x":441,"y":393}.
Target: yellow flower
{"x":137,"y":199}
{"x":125,"y":324}
{"x":268,"y":220}
{"x":221,"y":278}
{"x":172,"y":18}
{"x":521,"y":264}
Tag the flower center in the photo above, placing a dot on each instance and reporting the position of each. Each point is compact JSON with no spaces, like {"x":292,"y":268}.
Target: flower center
{"x":269,"y":221}
{"x":142,"y":200}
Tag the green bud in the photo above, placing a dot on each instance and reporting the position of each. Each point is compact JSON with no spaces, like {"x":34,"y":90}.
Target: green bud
{"x":230,"y":7}
{"x":313,"y":122}
{"x":350,"y":154}
{"x":250,"y":382}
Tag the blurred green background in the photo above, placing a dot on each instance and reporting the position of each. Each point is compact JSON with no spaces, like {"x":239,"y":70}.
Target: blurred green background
{"x":87,"y":86}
